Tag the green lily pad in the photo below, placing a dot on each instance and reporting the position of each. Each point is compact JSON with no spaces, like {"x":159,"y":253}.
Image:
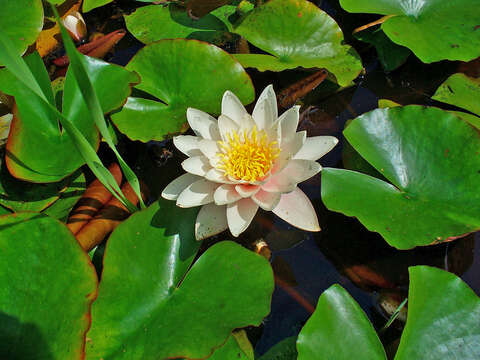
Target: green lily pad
{"x":433,"y":29}
{"x":89,"y":5}
{"x":297,"y":34}
{"x":152,"y":23}
{"x":323,"y":336}
{"x":462,"y":91}
{"x":431,"y":159}
{"x":284,"y":350}
{"x":442,"y":320}
{"x":232,"y":350}
{"x":180,"y":73}
{"x":48,"y":285}
{"x":390,"y":55}
{"x":37,"y":150}
{"x":151,"y":306}
{"x":28,"y":13}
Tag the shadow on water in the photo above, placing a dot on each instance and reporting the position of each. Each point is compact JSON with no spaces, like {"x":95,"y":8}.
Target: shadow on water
{"x":22,"y":341}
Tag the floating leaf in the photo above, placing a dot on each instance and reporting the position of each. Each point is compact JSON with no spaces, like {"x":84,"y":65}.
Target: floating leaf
{"x":48,"y":284}
{"x":186,"y":314}
{"x":297,"y":33}
{"x":28,"y":13}
{"x":231,"y":350}
{"x":442,"y":320}
{"x":36,"y":149}
{"x":89,"y":5}
{"x":152,"y":23}
{"x":462,"y":91}
{"x":390,"y":55}
{"x":432,"y":159}
{"x":181,"y":74}
{"x":323,"y":336}
{"x":284,"y":350}
{"x":433,"y":29}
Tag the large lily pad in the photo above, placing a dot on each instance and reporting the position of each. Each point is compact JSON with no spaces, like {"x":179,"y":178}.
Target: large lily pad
{"x":433,"y":29}
{"x":462,"y":91}
{"x":323,"y":336}
{"x":154,"y":308}
{"x":47,"y":287}
{"x":431,"y":158}
{"x":297,"y":34}
{"x":180,"y":73}
{"x":37,"y":150}
{"x":442,"y":320}
{"x":152,"y":23}
{"x":28,"y":13}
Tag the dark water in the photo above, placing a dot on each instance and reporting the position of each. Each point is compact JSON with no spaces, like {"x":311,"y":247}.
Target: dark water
{"x":344,"y":252}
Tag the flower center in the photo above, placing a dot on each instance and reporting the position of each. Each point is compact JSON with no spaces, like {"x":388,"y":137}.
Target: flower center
{"x":247,"y":156}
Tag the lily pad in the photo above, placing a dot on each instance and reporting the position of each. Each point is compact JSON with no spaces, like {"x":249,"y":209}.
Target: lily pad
{"x":152,"y":23}
{"x":43,"y":270}
{"x":431,"y":159}
{"x":433,"y":29}
{"x":462,"y":91}
{"x":323,"y":336}
{"x":232,"y":350}
{"x":89,"y":5}
{"x":157,"y":308}
{"x":28,"y":13}
{"x":297,"y":34}
{"x":37,"y":149}
{"x":442,"y":320}
{"x":390,"y":55}
{"x":180,"y":73}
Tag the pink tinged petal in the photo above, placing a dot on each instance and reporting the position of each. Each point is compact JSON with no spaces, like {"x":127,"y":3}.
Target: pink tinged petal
{"x":279,"y":184}
{"x":288,"y":123}
{"x":233,"y":107}
{"x":296,"y":209}
{"x":265,"y":112}
{"x":226,"y":126}
{"x":295,"y":172}
{"x":174,"y":189}
{"x":209,"y":148}
{"x":226,"y":194}
{"x":289,"y":150}
{"x":315,"y":147}
{"x":211,"y":220}
{"x":196,"y":194}
{"x":217,"y":176}
{"x":266,"y":200}
{"x":197,"y":165}
{"x":188,"y":144}
{"x":240,"y":214}
{"x":246,"y":191}
{"x":203,"y":124}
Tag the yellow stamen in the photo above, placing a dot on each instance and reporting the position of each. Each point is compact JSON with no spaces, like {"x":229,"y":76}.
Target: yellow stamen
{"x":247,"y":156}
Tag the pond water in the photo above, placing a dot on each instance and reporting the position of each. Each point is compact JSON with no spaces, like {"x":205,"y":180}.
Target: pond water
{"x":344,"y":252}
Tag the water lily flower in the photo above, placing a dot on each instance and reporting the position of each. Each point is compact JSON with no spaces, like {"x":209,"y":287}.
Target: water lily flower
{"x":242,"y":162}
{"x":75,"y":26}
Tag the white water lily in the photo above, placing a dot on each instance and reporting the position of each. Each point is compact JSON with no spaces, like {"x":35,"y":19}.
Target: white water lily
{"x":242,"y":162}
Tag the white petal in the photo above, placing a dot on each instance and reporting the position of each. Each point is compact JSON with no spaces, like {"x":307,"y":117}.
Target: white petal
{"x":198,"y":193}
{"x":217,"y":176}
{"x":288,"y":123}
{"x":211,"y":220}
{"x":226,"y":126}
{"x":232,"y":107}
{"x":240,"y":214}
{"x":266,"y":200}
{"x":174,"y":189}
{"x":197,"y":165}
{"x":300,"y":170}
{"x":226,"y":194}
{"x":203,"y":124}
{"x":209,"y":148}
{"x":247,"y":123}
{"x":265,"y":112}
{"x":288,"y":151}
{"x":296,"y":209}
{"x":315,"y":147}
{"x":188,"y":144}
{"x":247,"y":190}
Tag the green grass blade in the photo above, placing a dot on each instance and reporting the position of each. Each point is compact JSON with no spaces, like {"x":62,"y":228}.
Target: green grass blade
{"x":17,"y":66}
{"x":86,"y":88}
